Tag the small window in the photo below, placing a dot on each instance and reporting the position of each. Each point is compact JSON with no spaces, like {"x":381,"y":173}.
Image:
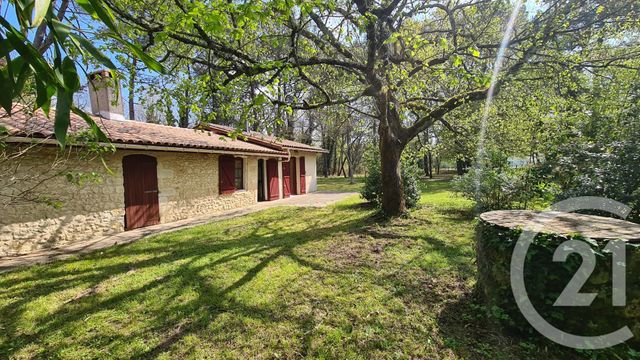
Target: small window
{"x":239,"y":180}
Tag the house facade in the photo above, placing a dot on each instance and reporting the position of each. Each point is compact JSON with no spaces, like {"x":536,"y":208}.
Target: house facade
{"x":157,"y":174}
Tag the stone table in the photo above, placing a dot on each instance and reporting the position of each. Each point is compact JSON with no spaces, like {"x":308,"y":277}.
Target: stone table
{"x":497,"y":235}
{"x":562,"y":223}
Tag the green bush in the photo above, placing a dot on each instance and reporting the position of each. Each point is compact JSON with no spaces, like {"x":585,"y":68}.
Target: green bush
{"x":372,"y":190}
{"x":607,"y":167}
{"x":496,"y":185}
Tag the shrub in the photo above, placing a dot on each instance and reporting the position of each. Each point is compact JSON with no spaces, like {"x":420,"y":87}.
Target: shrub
{"x":372,"y":190}
{"x":496,"y":185}
{"x":609,"y":169}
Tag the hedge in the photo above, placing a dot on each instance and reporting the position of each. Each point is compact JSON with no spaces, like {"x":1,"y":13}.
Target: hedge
{"x":545,"y":280}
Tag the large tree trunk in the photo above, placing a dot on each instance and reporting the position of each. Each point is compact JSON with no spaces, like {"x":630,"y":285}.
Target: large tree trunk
{"x":392,"y":190}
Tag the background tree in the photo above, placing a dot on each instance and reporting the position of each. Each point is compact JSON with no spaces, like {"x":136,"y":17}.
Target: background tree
{"x":415,"y":61}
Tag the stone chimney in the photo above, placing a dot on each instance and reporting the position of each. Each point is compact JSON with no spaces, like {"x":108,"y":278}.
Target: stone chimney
{"x":102,"y":92}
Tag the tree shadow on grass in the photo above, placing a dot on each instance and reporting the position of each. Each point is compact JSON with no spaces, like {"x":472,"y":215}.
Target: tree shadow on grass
{"x":467,"y":330}
{"x":184,"y":262}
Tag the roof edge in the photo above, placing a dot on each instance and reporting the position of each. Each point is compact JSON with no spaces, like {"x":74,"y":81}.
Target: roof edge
{"x":125,"y":146}
{"x":222,"y":130}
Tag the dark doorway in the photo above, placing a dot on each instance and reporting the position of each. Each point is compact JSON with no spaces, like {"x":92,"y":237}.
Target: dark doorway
{"x":272,"y":179}
{"x":261,"y":195}
{"x":140,"y":191}
{"x":294,"y":182}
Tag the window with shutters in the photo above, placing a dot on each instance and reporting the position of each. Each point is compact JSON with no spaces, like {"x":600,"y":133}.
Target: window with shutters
{"x":239,"y":176}
{"x":226,"y":176}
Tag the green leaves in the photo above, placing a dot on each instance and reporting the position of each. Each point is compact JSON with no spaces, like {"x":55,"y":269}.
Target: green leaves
{"x":63,"y":109}
{"x":59,"y":77}
{"x":152,"y":63}
{"x":83,"y":43}
{"x":64,"y":99}
{"x":98,"y":11}
{"x":40,"y":10}
{"x":100,"y":135}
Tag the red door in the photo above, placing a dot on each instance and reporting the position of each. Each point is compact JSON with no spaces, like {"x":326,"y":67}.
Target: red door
{"x":303,"y":182}
{"x":272,"y":179}
{"x":140,"y":191}
{"x":292,"y":168}
{"x":286,"y":180}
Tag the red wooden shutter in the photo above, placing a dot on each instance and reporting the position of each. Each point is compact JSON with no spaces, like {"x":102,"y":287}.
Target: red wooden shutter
{"x":303,"y":181}
{"x":272,"y":179}
{"x":226,"y":174}
{"x":286,"y":180}
{"x":294,"y":187}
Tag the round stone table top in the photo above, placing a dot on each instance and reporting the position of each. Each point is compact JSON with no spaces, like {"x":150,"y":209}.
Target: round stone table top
{"x":562,"y":223}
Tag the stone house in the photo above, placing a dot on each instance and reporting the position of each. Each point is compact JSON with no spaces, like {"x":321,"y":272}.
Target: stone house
{"x":157,"y":174}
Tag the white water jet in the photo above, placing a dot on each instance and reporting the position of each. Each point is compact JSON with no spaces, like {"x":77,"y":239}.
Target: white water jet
{"x":494,"y":79}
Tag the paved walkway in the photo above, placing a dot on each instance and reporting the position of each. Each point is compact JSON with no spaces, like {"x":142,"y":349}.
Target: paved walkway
{"x":318,"y":199}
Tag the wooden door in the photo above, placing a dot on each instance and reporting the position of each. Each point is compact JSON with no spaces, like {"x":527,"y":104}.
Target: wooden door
{"x":272,"y":179}
{"x":286,"y":180}
{"x":140,"y":191}
{"x":303,"y":181}
{"x":292,"y":168}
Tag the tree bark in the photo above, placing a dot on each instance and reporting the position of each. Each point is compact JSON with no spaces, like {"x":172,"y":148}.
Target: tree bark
{"x":393,"y":192}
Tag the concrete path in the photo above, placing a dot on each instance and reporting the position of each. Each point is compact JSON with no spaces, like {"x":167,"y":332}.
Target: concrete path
{"x":318,"y":199}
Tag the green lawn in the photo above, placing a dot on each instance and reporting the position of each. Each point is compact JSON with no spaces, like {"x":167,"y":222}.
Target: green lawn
{"x":282,"y":283}
{"x":340,"y":184}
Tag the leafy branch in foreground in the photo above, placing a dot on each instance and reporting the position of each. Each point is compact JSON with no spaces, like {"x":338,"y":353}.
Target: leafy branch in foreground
{"x":48,"y":62}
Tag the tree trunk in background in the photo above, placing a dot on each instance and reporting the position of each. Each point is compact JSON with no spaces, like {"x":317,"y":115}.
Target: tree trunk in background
{"x":334,"y":160}
{"x":425,"y":164}
{"x":132,"y":88}
{"x":184,"y":108}
{"x":183,"y":113}
{"x":308,"y":132}
{"x":325,"y":167}
{"x":430,"y":165}
{"x":460,"y":167}
{"x":393,"y":203}
{"x":349,"y":155}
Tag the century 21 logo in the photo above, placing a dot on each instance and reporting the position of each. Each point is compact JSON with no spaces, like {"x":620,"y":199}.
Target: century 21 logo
{"x":571,"y":295}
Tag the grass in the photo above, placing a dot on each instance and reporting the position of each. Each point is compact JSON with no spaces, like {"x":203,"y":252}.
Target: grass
{"x":333,"y":282}
{"x":340,"y":184}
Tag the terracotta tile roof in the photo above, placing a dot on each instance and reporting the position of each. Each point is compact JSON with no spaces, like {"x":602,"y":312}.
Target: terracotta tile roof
{"x":22,"y":124}
{"x":267,"y":139}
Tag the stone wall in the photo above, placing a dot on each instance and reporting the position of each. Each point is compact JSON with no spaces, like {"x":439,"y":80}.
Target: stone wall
{"x":311,"y":176}
{"x":58,"y":211}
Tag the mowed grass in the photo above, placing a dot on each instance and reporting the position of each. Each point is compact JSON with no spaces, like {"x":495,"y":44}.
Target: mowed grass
{"x":340,"y":184}
{"x":335,"y":282}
